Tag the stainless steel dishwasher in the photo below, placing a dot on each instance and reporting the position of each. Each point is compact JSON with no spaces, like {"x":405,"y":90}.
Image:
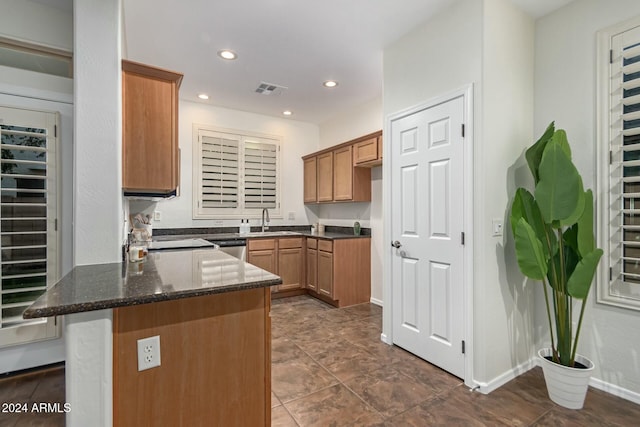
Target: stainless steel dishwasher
{"x":233,"y":247}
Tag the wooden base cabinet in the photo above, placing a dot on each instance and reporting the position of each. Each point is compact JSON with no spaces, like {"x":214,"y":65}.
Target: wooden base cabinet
{"x":216,"y":362}
{"x":342,"y":273}
{"x":283,"y":256}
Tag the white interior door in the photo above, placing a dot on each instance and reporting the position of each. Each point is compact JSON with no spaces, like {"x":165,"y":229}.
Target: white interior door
{"x":427,"y":224}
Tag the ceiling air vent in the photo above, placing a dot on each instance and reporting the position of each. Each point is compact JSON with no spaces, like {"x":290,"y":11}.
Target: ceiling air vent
{"x":270,"y":89}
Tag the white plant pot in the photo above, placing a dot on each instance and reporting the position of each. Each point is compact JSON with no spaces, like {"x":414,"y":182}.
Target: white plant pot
{"x":566,"y":386}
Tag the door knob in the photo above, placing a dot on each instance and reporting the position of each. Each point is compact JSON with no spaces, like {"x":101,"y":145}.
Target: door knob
{"x":396,"y":244}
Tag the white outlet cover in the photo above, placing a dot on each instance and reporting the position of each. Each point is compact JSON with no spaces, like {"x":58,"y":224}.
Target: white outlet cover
{"x":292,"y":216}
{"x":497,"y":227}
{"x":148,"y":352}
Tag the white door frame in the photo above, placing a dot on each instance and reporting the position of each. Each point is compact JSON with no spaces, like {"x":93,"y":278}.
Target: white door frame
{"x":468,"y":167}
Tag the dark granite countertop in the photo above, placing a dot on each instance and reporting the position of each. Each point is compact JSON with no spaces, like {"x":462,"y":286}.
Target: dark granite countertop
{"x":162,"y":276}
{"x":332,"y":233}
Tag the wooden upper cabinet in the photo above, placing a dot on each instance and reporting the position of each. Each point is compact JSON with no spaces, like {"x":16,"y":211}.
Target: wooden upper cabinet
{"x":325,"y":177}
{"x":343,"y":174}
{"x":150,"y":159}
{"x":310,"y":180}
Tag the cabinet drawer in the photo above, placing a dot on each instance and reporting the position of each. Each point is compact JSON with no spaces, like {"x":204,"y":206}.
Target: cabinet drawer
{"x":260,"y":244}
{"x":325,"y":245}
{"x":287,"y":243}
{"x":312,"y":243}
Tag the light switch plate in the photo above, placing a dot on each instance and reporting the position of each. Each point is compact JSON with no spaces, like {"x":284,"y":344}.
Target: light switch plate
{"x":497,"y":227}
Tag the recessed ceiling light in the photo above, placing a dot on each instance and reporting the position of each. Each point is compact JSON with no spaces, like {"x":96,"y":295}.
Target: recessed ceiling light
{"x":330,"y":83}
{"x":227,"y":54}
{"x":287,"y":113}
{"x":203,"y":96}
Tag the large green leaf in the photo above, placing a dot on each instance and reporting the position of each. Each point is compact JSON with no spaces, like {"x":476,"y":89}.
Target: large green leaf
{"x":579,"y":210}
{"x":534,"y":153}
{"x":560,"y":136}
{"x":559,"y":190}
{"x":529,"y":252}
{"x":586,"y":239}
{"x":580,"y":281}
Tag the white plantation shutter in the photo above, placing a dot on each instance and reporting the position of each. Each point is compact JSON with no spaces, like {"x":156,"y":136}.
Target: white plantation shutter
{"x":260,"y":175}
{"x":624,"y":172}
{"x":219,"y":167}
{"x":237,"y":175}
{"x":28,"y":210}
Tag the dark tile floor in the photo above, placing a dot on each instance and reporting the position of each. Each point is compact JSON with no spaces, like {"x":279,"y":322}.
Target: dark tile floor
{"x":330,"y":369}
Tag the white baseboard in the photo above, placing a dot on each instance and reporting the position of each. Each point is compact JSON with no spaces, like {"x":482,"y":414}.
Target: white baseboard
{"x":385,"y":339}
{"x":376,"y":301}
{"x":499,"y":381}
{"x":615,"y":390}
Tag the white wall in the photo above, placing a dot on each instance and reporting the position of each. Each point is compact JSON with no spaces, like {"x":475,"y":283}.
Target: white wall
{"x":488,"y":44}
{"x":565,"y":85}
{"x":360,"y":121}
{"x":298,"y":139}
{"x":503,"y":308}
{"x":36,"y":23}
{"x":98,"y":214}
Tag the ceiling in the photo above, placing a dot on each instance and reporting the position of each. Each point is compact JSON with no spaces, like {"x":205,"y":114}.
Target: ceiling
{"x":297,"y":44}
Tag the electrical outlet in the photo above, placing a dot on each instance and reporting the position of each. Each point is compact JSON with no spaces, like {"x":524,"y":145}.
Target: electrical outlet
{"x":157,"y":216}
{"x":148,"y":353}
{"x":292,"y":216}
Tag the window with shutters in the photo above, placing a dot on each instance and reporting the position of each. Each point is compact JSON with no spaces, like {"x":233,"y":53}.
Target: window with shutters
{"x":619,"y":164}
{"x":28,"y":211}
{"x":236,"y":174}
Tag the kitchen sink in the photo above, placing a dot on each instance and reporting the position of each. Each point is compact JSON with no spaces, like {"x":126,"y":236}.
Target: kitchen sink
{"x":271,"y":233}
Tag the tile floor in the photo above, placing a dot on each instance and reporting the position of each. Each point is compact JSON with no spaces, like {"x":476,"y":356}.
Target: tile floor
{"x":330,"y":369}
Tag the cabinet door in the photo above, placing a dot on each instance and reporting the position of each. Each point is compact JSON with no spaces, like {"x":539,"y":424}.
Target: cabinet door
{"x":290,"y":269}
{"x":310,"y":180}
{"x":312,"y":269}
{"x":266,"y":260}
{"x":343,"y":173}
{"x":325,"y":177}
{"x":325,"y":273}
{"x":149,"y":128}
{"x":365,"y":151}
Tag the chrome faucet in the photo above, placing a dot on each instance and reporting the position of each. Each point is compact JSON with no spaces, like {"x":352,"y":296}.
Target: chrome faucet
{"x":265,"y":225}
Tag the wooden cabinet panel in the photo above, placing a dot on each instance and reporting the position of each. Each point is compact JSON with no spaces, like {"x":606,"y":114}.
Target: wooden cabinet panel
{"x":218,"y":346}
{"x":343,"y":174}
{"x":290,"y":269}
{"x":325,"y":177}
{"x":325,"y":274}
{"x":150,"y":159}
{"x":310,"y":180}
{"x":312,"y":269}
{"x":365,"y":151}
{"x":380,"y":148}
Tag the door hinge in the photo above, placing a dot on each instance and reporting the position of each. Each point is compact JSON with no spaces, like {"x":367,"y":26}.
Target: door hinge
{"x":55,"y":224}
{"x":610,"y":274}
{"x":463,"y":347}
{"x":463,"y":130}
{"x":610,"y":56}
{"x":610,"y":157}
{"x":55,"y":131}
{"x":462,"y":238}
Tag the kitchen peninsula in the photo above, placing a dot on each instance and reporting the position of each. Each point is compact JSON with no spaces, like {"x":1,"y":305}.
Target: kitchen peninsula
{"x":211,"y":312}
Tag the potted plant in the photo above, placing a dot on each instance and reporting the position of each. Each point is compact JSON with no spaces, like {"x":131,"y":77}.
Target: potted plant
{"x":555,"y":244}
